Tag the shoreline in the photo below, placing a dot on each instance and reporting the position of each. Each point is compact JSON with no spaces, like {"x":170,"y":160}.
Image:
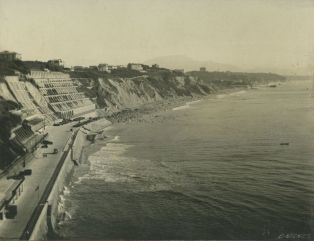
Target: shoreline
{"x":144,"y":112}
{"x":123,"y":117}
{"x":207,"y":103}
{"x":127,"y":116}
{"x":46,"y":215}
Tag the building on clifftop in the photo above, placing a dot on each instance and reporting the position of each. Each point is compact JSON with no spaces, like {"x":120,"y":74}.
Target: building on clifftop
{"x":56,"y":62}
{"x":138,"y":67}
{"x":10,"y":56}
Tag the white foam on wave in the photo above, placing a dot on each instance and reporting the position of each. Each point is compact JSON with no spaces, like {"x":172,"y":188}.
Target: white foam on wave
{"x":67,"y":215}
{"x":193,"y":102}
{"x":62,"y":215}
{"x":79,"y":180}
{"x":62,"y":198}
{"x":237,"y":93}
{"x":186,"y":106}
{"x":111,"y":164}
{"x":241,"y":92}
{"x":108,"y":164}
{"x":66,"y":190}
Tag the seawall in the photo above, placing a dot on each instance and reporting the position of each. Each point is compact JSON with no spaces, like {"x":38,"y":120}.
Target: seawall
{"x":49,"y":216}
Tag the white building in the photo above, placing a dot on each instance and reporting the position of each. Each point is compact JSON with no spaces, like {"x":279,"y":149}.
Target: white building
{"x":103,"y":68}
{"x":138,"y":67}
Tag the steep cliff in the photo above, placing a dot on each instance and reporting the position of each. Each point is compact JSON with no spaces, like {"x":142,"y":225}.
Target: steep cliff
{"x":129,"y":93}
{"x":118,"y":92}
{"x":121,"y":93}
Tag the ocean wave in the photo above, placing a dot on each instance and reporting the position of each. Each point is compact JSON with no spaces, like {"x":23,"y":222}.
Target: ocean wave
{"x":236,"y":93}
{"x":241,"y":92}
{"x":186,"y":106}
{"x":67,"y":215}
{"x":221,"y":96}
{"x":108,"y":164}
{"x":66,"y":191}
{"x":104,"y":176}
{"x":193,"y":102}
{"x":60,"y":208}
{"x":116,"y":138}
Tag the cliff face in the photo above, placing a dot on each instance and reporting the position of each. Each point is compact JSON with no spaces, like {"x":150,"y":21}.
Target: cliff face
{"x":118,"y":93}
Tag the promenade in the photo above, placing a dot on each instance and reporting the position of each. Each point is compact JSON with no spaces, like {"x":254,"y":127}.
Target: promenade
{"x":35,"y":185}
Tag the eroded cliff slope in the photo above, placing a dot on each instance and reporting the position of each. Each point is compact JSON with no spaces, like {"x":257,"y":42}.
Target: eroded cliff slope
{"x":120,"y":93}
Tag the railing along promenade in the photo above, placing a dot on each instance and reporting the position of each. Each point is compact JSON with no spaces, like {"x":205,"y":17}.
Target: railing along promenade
{"x":42,"y":201}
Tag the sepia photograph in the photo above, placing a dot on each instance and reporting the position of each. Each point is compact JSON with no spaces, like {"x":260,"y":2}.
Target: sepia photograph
{"x":157,"y":120}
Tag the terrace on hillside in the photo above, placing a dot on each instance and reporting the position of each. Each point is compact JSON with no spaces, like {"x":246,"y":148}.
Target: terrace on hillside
{"x":60,"y":91}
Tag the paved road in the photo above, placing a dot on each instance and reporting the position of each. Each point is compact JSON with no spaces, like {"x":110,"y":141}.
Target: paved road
{"x":43,"y":169}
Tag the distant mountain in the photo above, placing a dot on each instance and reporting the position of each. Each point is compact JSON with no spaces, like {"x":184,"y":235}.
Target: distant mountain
{"x":188,"y":64}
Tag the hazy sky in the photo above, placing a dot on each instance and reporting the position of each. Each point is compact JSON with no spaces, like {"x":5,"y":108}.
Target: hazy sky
{"x":246,"y":33}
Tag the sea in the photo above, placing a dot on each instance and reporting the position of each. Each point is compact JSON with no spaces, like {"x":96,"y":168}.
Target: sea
{"x":229,"y":166}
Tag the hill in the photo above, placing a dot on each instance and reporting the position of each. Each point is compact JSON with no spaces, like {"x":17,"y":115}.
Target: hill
{"x":188,"y":64}
{"x":236,"y":77}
